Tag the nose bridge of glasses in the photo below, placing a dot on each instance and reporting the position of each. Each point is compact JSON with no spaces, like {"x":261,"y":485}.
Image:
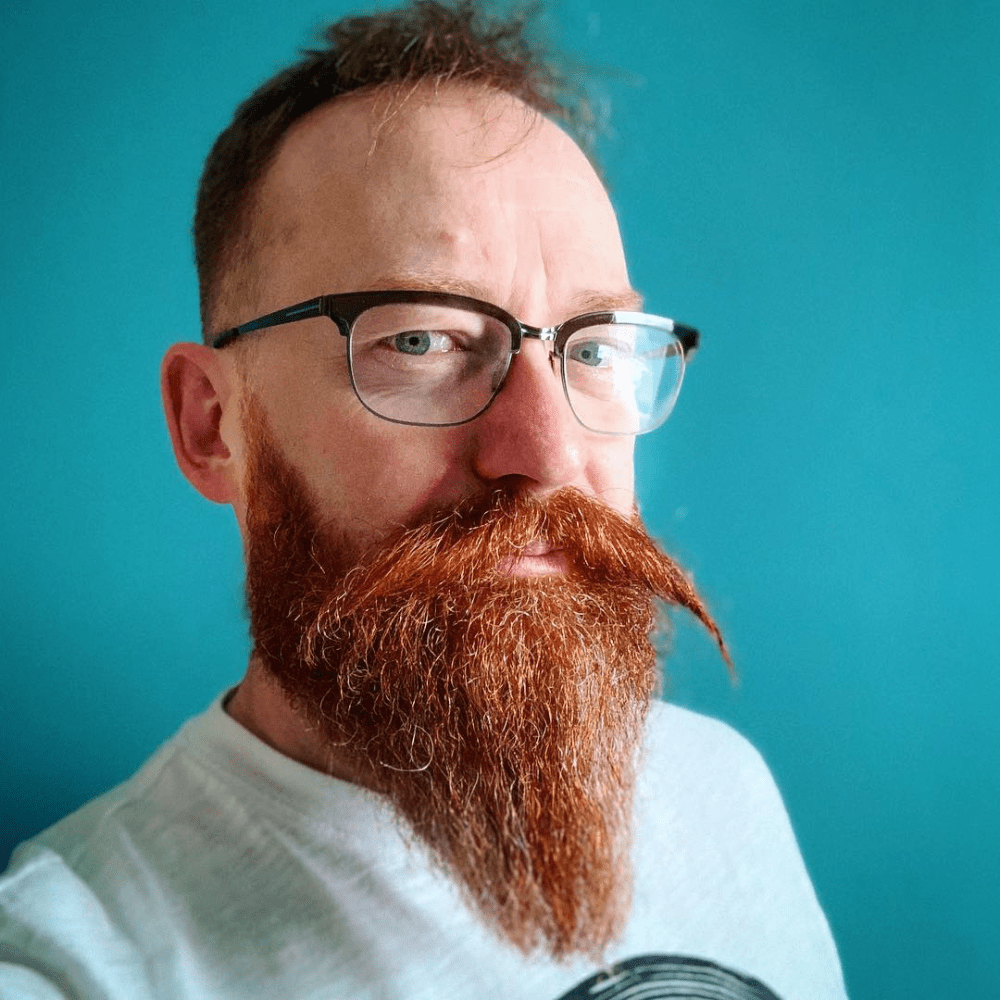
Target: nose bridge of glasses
{"x":542,"y":333}
{"x":538,"y":332}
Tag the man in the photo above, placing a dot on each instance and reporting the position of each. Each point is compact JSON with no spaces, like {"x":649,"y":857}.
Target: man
{"x":442,"y":774}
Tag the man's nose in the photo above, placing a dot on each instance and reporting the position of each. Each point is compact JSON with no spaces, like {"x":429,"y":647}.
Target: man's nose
{"x":529,"y":433}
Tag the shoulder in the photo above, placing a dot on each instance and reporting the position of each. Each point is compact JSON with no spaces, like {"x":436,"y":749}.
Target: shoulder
{"x":52,"y":922}
{"x":715,"y":844}
{"x":79,"y":838}
{"x":66,"y":897}
{"x":705,"y":784}
{"x":667,"y":721}
{"x":683,"y":745}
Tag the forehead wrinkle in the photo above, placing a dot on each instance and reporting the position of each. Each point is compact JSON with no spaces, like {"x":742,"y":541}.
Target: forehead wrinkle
{"x":443,"y":239}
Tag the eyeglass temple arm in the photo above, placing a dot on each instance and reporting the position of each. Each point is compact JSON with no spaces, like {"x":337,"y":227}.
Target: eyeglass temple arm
{"x":304,"y":310}
{"x":689,"y":338}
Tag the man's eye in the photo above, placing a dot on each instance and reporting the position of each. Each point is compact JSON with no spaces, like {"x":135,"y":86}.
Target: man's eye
{"x":596,"y":353}
{"x":422,"y":341}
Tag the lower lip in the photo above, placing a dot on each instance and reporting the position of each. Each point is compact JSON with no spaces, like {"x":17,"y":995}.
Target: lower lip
{"x":544,"y":564}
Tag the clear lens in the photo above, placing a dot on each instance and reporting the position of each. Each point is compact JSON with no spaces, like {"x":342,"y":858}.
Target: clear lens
{"x":418,"y":363}
{"x":427,"y":364}
{"x":623,"y":378}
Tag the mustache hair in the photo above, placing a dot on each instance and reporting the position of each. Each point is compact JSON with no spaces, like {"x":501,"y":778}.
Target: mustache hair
{"x":470,"y":543}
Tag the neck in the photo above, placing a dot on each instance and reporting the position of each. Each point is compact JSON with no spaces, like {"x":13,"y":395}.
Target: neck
{"x":262,"y":708}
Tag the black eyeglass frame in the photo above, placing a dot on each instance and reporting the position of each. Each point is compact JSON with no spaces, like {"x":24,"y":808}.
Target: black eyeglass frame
{"x":345,"y":308}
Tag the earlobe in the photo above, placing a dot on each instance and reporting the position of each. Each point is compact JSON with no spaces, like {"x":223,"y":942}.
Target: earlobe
{"x":198,"y":396}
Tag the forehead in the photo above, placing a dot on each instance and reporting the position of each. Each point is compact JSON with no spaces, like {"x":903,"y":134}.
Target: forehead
{"x":457,"y":184}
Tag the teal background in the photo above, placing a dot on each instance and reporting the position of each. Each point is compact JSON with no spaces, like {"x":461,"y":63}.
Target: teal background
{"x":814,"y":184}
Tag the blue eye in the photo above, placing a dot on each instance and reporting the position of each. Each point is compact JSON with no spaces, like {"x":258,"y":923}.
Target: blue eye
{"x":594,"y":353}
{"x":412,"y":342}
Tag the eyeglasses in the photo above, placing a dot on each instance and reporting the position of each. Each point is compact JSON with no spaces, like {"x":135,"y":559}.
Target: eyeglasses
{"x":439,"y":360}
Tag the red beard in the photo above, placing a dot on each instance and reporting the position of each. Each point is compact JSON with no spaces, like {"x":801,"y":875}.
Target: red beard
{"x":502,"y":716}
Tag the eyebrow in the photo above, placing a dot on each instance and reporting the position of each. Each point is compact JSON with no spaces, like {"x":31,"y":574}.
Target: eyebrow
{"x":628,"y":299}
{"x":582,"y":302}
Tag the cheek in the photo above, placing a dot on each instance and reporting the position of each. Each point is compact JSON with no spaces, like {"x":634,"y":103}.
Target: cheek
{"x":367,"y":474}
{"x":610,"y":473}
{"x":376,"y":473}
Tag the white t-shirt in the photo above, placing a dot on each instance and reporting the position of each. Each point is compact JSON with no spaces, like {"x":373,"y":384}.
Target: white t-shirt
{"x":225,"y":870}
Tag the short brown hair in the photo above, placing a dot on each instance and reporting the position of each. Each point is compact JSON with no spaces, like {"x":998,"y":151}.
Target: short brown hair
{"x":426,"y":41}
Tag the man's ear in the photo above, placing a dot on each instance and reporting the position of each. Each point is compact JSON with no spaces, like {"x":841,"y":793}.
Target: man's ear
{"x":201,"y":402}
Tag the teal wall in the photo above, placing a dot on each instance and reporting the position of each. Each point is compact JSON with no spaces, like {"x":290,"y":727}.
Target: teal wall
{"x":814,"y":184}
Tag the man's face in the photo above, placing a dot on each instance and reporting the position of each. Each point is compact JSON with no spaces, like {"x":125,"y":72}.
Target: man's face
{"x":464,"y":192}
